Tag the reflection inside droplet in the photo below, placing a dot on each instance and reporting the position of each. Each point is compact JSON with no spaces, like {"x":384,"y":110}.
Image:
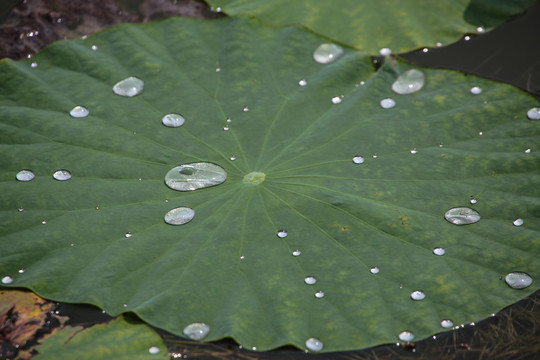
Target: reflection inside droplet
{"x":336,"y":100}
{"x":296,"y":253}
{"x":385,"y":51}
{"x":179,"y":216}
{"x":153,"y":350}
{"x":129,"y":87}
{"x":327,"y":53}
{"x":462,"y":216}
{"x":196,"y":331}
{"x":302,"y":82}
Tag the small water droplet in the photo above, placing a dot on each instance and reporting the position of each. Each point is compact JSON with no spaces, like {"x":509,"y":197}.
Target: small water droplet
{"x":336,"y":100}
{"x":218,"y":9}
{"x":327,"y":53}
{"x":314,"y":344}
{"x":296,"y":253}
{"x":34,"y":65}
{"x":97,"y":207}
{"x":425,"y":50}
{"x":358,"y":159}
{"x":79,"y":112}
{"x":226,"y":128}
{"x":446,"y":323}
{"x":218,"y":69}
{"x":409,"y":82}
{"x":25,"y":175}
{"x":62,"y":175}
{"x":518,"y":280}
{"x":21,"y":271}
{"x":7,"y":280}
{"x":480,"y":29}
{"x":439,"y":251}
{"x":518,"y":222}
{"x":319,"y":294}
{"x":302,"y":82}
{"x":474,"y":201}
{"x":406,"y":336}
{"x":173,"y":120}
{"x":125,"y":305}
{"x":414,"y":151}
{"x":467,"y":38}
{"x":94,"y":47}
{"x":439,"y":44}
{"x":418,"y":295}
{"x":388,"y":103}
{"x":128,"y":234}
{"x":462,"y":216}
{"x":385,"y":51}
{"x":374,"y":156}
{"x":282,"y":234}
{"x":228,"y":120}
{"x":441,"y":145}
{"x":232,"y":158}
{"x":44,"y":222}
{"x":475,"y":90}
{"x":153,"y":350}
{"x":246,"y":109}
{"x":193,"y":176}
{"x":242,"y":257}
{"x":21,"y":209}
{"x":310,"y":280}
{"x":129,"y":87}
{"x":480,"y":133}
{"x":179,"y":216}
{"x":374,"y":270}
{"x":196,"y":331}
{"x":534,"y":113}
{"x":527,"y":151}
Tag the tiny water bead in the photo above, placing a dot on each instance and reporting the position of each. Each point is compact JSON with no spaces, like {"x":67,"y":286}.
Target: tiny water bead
{"x":296,"y":253}
{"x":232,"y":158}
{"x":173,"y":120}
{"x":21,"y":271}
{"x":409,"y":82}
{"x":358,"y":159}
{"x":21,"y":209}
{"x":254,"y":178}
{"x":34,"y":65}
{"x":128,"y":234}
{"x":462,"y":216}
{"x":518,"y":280}
{"x":475,"y":90}
{"x":319,"y":294}
{"x":314,"y":344}
{"x":310,"y":280}
{"x":246,"y":109}
{"x":62,"y":175}
{"x":327,"y":53}
{"x":25,"y":175}
{"x":527,"y":151}
{"x":474,"y":201}
{"x":414,"y":151}
{"x":193,"y":176}
{"x":439,"y":251}
{"x":153,"y":350}
{"x":196,"y":331}
{"x":374,"y":270}
{"x":518,"y":222}
{"x":388,"y":103}
{"x":418,"y":295}
{"x":282,"y":234}
{"x":406,"y":336}
{"x":179,"y":216}
{"x":7,"y":280}
{"x":336,"y":100}
{"x":385,"y":51}
{"x":44,"y":222}
{"x":129,"y":87}
{"x":226,"y":128}
{"x":534,"y":113}
{"x":79,"y":112}
{"x":447,"y":323}
{"x":94,"y":47}
{"x":302,"y":82}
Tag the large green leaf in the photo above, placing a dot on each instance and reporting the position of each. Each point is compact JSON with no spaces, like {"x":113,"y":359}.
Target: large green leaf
{"x":227,"y":267}
{"x":370,"y":25}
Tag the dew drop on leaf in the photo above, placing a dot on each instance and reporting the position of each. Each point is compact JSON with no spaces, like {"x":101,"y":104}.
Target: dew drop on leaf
{"x":179,"y":216}
{"x":173,"y":120}
{"x":7,"y":280}
{"x":196,"y":331}
{"x":475,"y":90}
{"x":302,"y":82}
{"x":79,"y":112}
{"x":358,"y":159}
{"x":406,"y":336}
{"x":319,"y":294}
{"x":418,"y":295}
{"x":34,"y":65}
{"x":62,"y":175}
{"x":388,"y":103}
{"x":374,"y":270}
{"x":518,"y":280}
{"x":25,"y":175}
{"x":226,"y":128}
{"x":193,"y":176}
{"x":153,"y":350}
{"x":534,"y":113}
{"x":129,"y":87}
{"x":21,"y":271}
{"x":296,"y":253}
{"x":310,"y":280}
{"x":518,"y":222}
{"x":462,"y":216}
{"x":128,"y":234}
{"x":474,"y":201}
{"x":385,"y":51}
{"x":336,"y":100}
{"x":414,"y":151}
{"x":447,"y":323}
{"x":527,"y":151}
{"x":282,"y":234}
{"x":94,"y":47}
{"x":232,"y":158}
{"x":439,"y":251}
{"x":409,"y":82}
{"x":327,"y":53}
{"x":314,"y":344}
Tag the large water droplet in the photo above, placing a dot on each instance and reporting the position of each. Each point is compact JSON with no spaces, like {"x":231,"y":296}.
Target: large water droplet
{"x":518,"y":280}
{"x":406,"y":336}
{"x":475,"y":90}
{"x":314,"y":344}
{"x":439,"y":251}
{"x":374,"y":270}
{"x":418,"y":295}
{"x":179,"y":216}
{"x":409,"y":82}
{"x":129,"y":87}
{"x":25,"y":175}
{"x":327,"y":53}
{"x":319,"y":294}
{"x":173,"y":120}
{"x":534,"y":113}
{"x":447,"y":323}
{"x":358,"y":159}
{"x":282,"y":234}
{"x":7,"y":280}
{"x":79,"y":112}
{"x":196,"y":331}
{"x":518,"y":222}
{"x":62,"y":175}
{"x":388,"y":103}
{"x":310,"y":280}
{"x":462,"y":216}
{"x":193,"y":176}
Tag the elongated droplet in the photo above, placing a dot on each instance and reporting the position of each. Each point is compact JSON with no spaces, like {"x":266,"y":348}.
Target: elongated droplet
{"x":518,"y":280}
{"x":534,"y":113}
{"x":25,"y":175}
{"x":173,"y":120}
{"x":196,"y":331}
{"x":310,"y":280}
{"x":319,"y":294}
{"x":7,"y":280}
{"x":62,"y":175}
{"x":296,"y":253}
{"x":439,"y":251}
{"x":193,"y":176}
{"x":153,"y":350}
{"x":406,"y":336}
{"x":475,"y":90}
{"x":314,"y":344}
{"x":388,"y":103}
{"x":374,"y":270}
{"x":518,"y":222}
{"x":358,"y":159}
{"x":179,"y":216}
{"x":327,"y":53}
{"x":129,"y":87}
{"x":282,"y":234}
{"x":447,"y":323}
{"x":79,"y":112}
{"x":409,"y":82}
{"x":462,"y":216}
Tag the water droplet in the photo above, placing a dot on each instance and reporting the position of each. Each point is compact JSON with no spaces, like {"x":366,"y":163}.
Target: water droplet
{"x":246,"y":109}
{"x":475,"y":90}
{"x":474,"y":201}
{"x":374,"y":156}
{"x":336,"y":100}
{"x":314,"y":344}
{"x":480,"y":133}
{"x":480,"y":29}
{"x":296,"y":253}
{"x":232,"y":158}
{"x":79,"y":112}
{"x":518,"y":222}
{"x":21,"y":271}
{"x":34,"y":65}
{"x":282,"y":234}
{"x":358,"y":159}
{"x":128,"y":234}
{"x":418,"y":295}
{"x":228,"y":120}
{"x":310,"y":280}
{"x":193,"y":176}
{"x":226,"y":128}
{"x":242,"y":257}
{"x":254,"y":178}
{"x":21,"y":209}
{"x":94,"y":47}
{"x":446,"y":323}
{"x":462,"y":216}
{"x":44,"y":222}
{"x":527,"y":151}
{"x":319,"y":294}
{"x":179,"y":216}
{"x":425,"y":50}
{"x":518,"y":280}
{"x":153,"y":350}
{"x":302,"y":82}
{"x":7,"y":280}
{"x":218,"y":9}
{"x":414,"y":151}
{"x":467,"y":38}
{"x":439,"y":44}
{"x":62,"y":175}
{"x":218,"y":69}
{"x":327,"y":53}
{"x":125,"y":305}
{"x":534,"y":113}
{"x":173,"y":120}
{"x":441,"y":145}
{"x":439,"y":251}
{"x":385,"y":51}
{"x":374,"y":270}
{"x":409,"y":82}
{"x":25,"y":175}
{"x":129,"y":87}
{"x":406,"y":336}
{"x":388,"y":103}
{"x":196,"y":331}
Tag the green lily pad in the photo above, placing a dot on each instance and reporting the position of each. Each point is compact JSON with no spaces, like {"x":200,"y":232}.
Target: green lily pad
{"x":370,"y":25}
{"x":294,"y":203}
